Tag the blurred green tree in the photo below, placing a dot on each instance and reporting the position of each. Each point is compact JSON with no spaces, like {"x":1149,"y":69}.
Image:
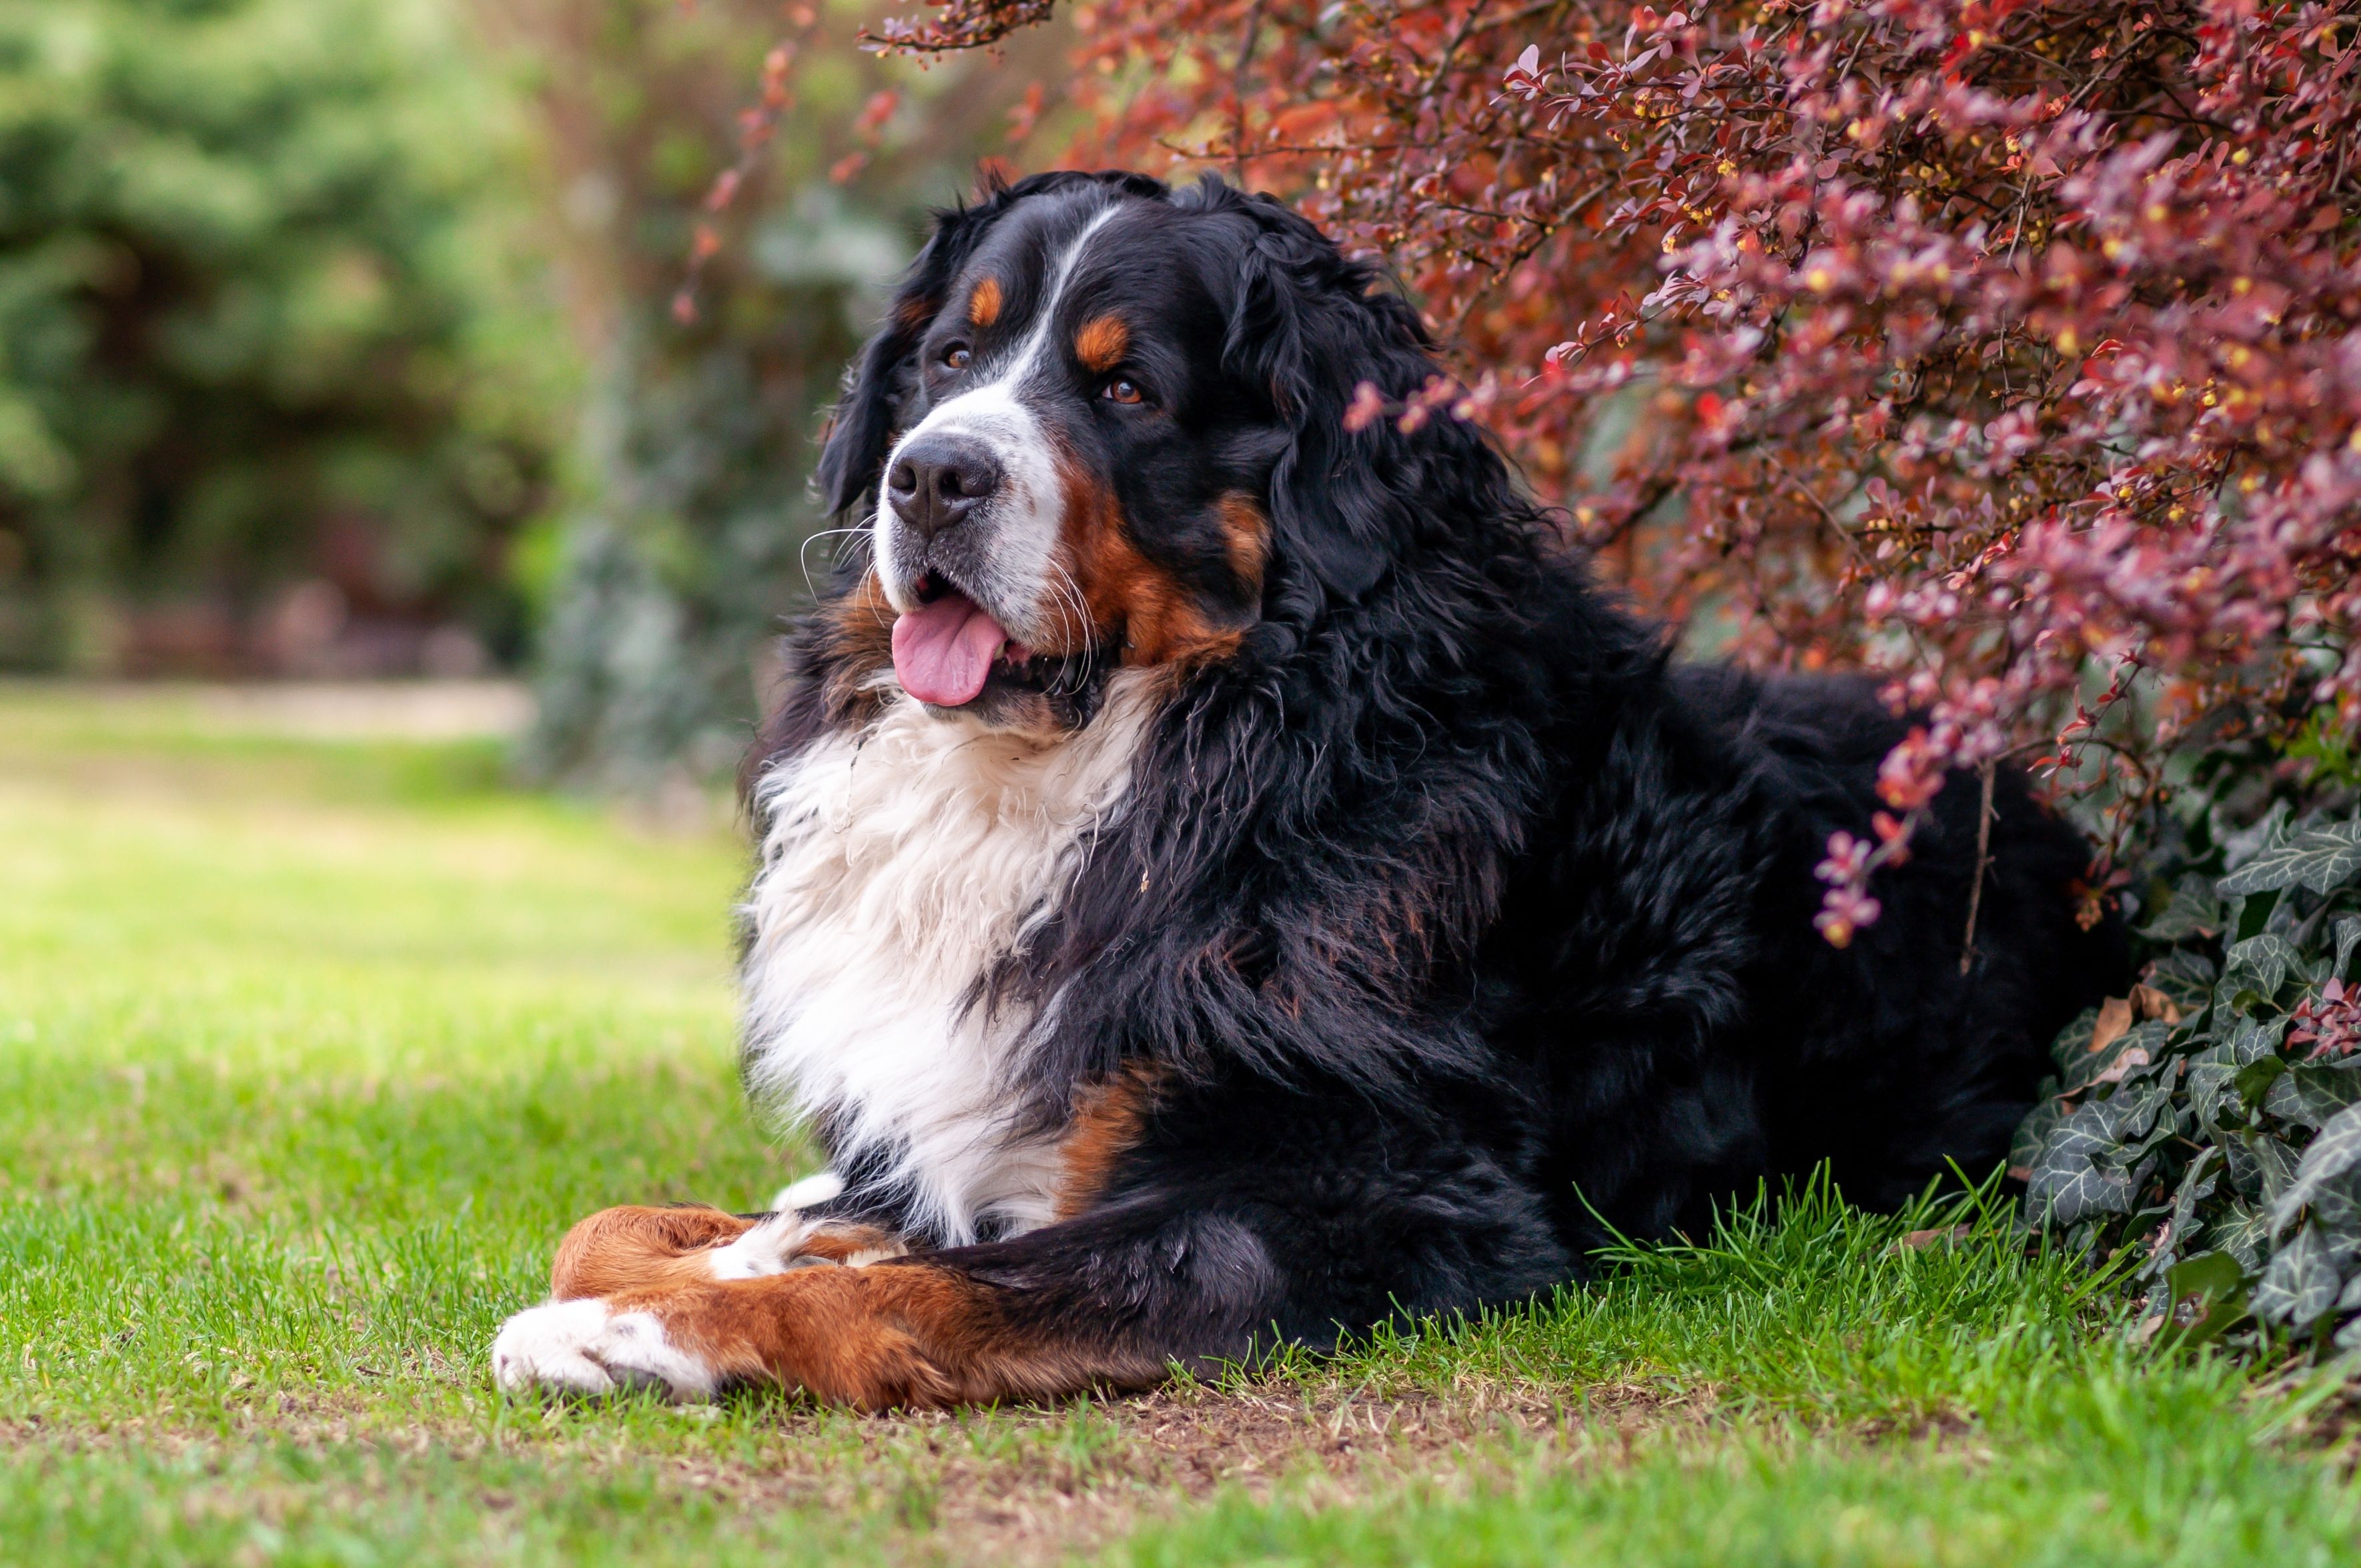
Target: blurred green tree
{"x":263,"y":319}
{"x":795,"y":168}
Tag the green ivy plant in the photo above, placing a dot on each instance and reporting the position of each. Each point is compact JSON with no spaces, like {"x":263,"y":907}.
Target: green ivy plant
{"x":2204,"y":1133}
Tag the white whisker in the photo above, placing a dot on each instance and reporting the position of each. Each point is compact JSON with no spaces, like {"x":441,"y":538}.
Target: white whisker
{"x":803,"y":552}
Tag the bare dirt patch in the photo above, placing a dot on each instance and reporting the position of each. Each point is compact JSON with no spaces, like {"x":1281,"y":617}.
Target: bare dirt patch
{"x":1024,"y":1485}
{"x":1034,"y":1486}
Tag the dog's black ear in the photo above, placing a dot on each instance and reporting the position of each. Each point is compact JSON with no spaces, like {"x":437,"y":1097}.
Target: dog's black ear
{"x":861,"y":428}
{"x":1307,"y":327}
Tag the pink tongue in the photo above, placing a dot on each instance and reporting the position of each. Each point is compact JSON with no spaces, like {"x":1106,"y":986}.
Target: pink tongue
{"x":943,"y":650}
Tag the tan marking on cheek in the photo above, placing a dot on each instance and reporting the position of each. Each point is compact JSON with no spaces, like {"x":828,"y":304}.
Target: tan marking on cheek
{"x":860,"y":643}
{"x":913,"y":312}
{"x":1247,"y":533}
{"x":1103,"y":343}
{"x":1106,"y":1126}
{"x":983,"y":305}
{"x":1160,"y":618}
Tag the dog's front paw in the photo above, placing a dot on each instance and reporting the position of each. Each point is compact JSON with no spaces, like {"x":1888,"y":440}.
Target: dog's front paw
{"x":584,"y":1347}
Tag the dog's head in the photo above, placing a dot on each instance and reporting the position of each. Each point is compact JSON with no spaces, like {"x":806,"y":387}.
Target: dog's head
{"x":1104,"y":424}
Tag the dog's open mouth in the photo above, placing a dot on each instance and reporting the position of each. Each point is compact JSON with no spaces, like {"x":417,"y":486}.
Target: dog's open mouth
{"x":950,"y":649}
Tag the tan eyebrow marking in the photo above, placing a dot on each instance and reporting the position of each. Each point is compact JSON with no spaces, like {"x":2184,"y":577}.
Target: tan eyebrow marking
{"x":1101,"y":342}
{"x":983,"y":305}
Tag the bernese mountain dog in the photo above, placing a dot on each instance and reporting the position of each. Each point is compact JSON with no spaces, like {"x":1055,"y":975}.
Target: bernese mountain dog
{"x":1229,"y":879}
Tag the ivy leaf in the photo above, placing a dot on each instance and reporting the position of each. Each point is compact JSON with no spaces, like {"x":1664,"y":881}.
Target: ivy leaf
{"x":2250,"y":916}
{"x":2073,"y":1179}
{"x":2208,"y":1295}
{"x":2258,"y":964}
{"x":2259,"y":1148}
{"x":2244,"y":1232}
{"x":2252,"y":1039}
{"x":2299,"y":1286}
{"x":2243,"y":1170}
{"x":2135,"y":1048}
{"x":2312,"y":1095}
{"x":2319,"y":857}
{"x":2073,"y":1042}
{"x":2337,"y":1150}
{"x":2274,"y":1161}
{"x":2186,"y":977}
{"x":2336,"y":1210}
{"x":2193,"y":911}
{"x":2211,"y":1086}
{"x":2254,"y":1082}
{"x":2214,"y":1060}
{"x":2198,"y":1180}
{"x":2026,"y":1146}
{"x":2197,"y":1184}
{"x":2137,"y":1108}
{"x":2209,"y":1277}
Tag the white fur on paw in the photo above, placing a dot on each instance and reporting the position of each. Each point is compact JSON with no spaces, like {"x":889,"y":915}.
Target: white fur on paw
{"x":584,"y":1347}
{"x":812,"y":1190}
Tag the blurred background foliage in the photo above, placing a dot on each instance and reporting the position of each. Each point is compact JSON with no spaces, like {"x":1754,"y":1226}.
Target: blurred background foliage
{"x":275,"y":382}
{"x":338,"y":337}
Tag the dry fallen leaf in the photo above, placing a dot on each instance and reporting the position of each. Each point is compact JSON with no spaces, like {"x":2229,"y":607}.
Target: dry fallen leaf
{"x":1919,"y":1241}
{"x":2115,"y":1018}
{"x":2152,"y":1004}
{"x":2135,"y":1058}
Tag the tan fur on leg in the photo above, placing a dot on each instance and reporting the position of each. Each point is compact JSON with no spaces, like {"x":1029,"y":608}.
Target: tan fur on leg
{"x":905,"y":1334}
{"x":633,"y":1249}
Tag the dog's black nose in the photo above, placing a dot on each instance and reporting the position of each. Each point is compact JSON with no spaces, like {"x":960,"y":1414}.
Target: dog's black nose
{"x":938,"y":479}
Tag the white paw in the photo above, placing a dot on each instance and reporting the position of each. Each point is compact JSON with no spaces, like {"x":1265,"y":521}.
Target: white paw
{"x":818,"y":1187}
{"x":583,"y":1347}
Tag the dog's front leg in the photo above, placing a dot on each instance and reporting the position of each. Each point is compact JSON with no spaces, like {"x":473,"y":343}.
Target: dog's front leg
{"x":901,"y":1335}
{"x":1287,"y":1219}
{"x":1109,"y":1301}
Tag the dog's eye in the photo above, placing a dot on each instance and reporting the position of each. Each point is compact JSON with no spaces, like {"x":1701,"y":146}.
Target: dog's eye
{"x":1121,"y":391}
{"x":957,"y":357}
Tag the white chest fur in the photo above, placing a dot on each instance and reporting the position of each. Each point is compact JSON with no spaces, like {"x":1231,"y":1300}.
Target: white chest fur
{"x":897,"y":864}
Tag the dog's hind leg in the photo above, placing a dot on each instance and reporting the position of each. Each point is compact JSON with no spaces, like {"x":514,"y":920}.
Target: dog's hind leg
{"x":627,"y":1250}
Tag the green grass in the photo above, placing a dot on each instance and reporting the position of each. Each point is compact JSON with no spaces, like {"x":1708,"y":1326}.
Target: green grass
{"x":1957,"y":1405}
{"x":309,"y":1051}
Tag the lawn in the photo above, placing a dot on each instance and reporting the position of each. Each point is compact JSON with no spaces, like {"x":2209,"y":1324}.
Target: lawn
{"x":311,"y":1048}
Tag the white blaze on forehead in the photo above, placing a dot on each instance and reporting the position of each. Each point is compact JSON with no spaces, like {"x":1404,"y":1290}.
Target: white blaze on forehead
{"x":1024,"y":513}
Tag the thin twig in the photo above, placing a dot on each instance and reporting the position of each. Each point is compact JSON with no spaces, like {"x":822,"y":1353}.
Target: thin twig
{"x":1983,"y":862}
{"x":1442,"y":65}
{"x":1836,"y":526}
{"x":1253,"y":33}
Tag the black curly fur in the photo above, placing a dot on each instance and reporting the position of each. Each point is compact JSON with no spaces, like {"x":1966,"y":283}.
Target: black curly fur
{"x":1456,"y":920}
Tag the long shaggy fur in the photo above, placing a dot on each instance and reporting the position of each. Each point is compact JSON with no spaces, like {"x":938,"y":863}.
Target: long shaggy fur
{"x":1380,"y":954}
